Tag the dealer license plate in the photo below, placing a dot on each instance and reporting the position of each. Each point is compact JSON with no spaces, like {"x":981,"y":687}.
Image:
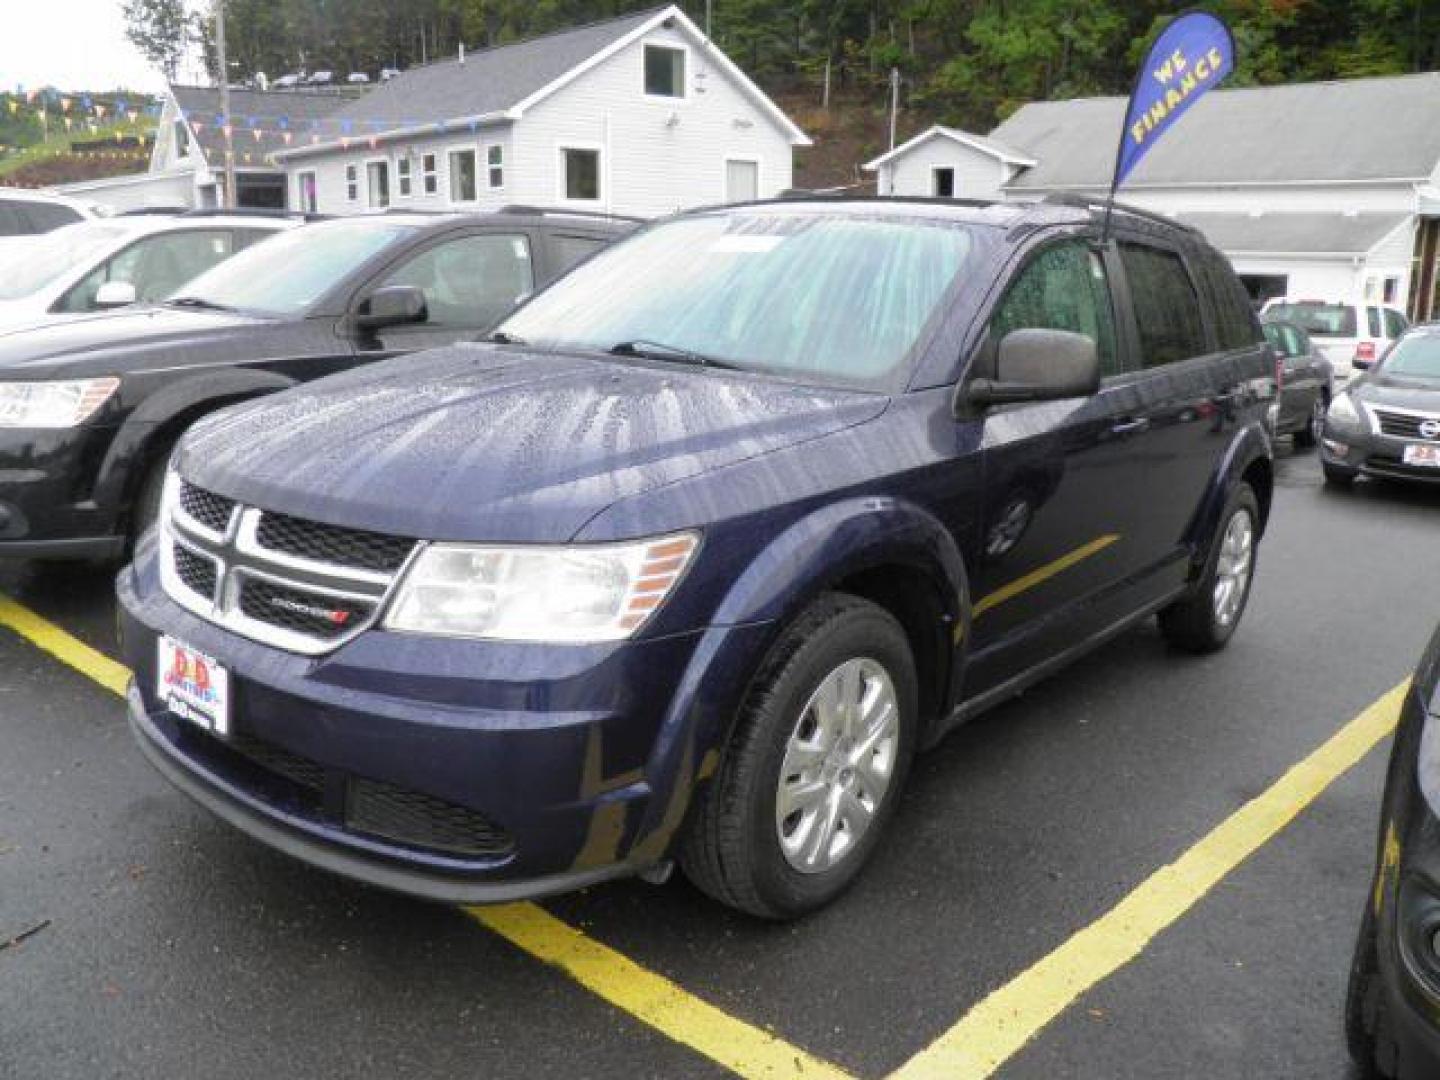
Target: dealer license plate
{"x":194,"y":686}
{"x":1423,"y":455}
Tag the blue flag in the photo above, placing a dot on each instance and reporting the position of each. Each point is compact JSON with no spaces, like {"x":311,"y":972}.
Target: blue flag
{"x":1191,"y":57}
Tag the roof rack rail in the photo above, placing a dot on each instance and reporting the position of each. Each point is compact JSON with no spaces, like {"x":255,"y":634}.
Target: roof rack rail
{"x":1086,"y":202}
{"x":152,"y":211}
{"x":564,"y":211}
{"x":253,"y":211}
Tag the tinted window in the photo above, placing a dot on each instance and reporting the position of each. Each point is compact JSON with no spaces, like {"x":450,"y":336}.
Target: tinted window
{"x":1063,"y":288}
{"x":570,"y":250}
{"x":1319,"y":319}
{"x":47,"y":216}
{"x":582,"y":174}
{"x":829,"y":298}
{"x":1286,"y":339}
{"x":470,"y":282}
{"x":1167,"y":311}
{"x":156,"y":266}
{"x":1234,"y":318}
{"x":11,"y":222}
{"x":1395,"y":323}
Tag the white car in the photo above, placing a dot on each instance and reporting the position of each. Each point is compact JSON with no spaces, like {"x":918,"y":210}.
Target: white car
{"x":30,"y":213}
{"x":95,"y":265}
{"x":1351,"y":335}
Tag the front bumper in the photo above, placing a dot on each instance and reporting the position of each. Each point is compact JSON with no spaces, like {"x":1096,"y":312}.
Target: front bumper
{"x":554,"y":767}
{"x":1371,"y":454}
{"x":48,"y":507}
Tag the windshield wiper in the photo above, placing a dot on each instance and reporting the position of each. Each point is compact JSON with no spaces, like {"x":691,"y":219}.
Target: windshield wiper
{"x":196,"y":302}
{"x":658,"y":350}
{"x":500,"y":337}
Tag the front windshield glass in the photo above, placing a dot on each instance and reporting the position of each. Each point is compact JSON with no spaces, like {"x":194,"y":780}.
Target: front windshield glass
{"x":287,"y":273}
{"x":35,"y":262}
{"x":1415,"y":357}
{"x":811,"y":296}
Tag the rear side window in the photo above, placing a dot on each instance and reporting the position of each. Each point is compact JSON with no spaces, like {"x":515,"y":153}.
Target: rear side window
{"x":1234,"y":318}
{"x":1062,"y":288}
{"x":47,"y":216}
{"x":1372,"y":321}
{"x":11,"y":221}
{"x":1167,"y":310}
{"x":1395,"y":323}
{"x":570,"y":250}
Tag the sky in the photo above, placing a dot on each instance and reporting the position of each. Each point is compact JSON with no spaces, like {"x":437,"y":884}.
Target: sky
{"x":72,"y":45}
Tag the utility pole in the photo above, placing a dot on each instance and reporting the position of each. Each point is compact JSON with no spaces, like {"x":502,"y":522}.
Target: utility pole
{"x":894,"y":102}
{"x":229,"y":125}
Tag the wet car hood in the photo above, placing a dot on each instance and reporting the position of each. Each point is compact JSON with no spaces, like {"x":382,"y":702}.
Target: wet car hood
{"x":1397,"y":391}
{"x":91,"y":344}
{"x":476,"y":442}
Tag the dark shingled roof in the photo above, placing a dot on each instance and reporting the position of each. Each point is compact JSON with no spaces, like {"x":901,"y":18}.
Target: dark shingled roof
{"x":1285,"y":232}
{"x":1357,"y":129}
{"x":201,"y":105}
{"x":490,"y":80}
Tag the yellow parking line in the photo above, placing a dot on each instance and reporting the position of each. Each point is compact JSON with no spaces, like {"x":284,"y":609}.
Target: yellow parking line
{"x":996,"y":1029}
{"x":742,"y":1048}
{"x":1042,"y":574}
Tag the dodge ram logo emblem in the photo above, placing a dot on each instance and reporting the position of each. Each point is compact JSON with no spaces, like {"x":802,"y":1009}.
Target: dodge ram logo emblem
{"x":1430,"y":429}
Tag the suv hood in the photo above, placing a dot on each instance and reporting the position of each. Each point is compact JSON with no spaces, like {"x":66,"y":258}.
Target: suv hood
{"x":474,"y":442}
{"x":1397,"y":391}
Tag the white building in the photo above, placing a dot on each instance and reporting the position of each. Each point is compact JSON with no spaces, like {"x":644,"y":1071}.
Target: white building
{"x":947,"y":163}
{"x":637,"y":115}
{"x":1325,"y":190}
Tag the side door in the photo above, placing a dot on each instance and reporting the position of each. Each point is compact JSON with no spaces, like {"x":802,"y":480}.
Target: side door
{"x":1060,"y":514}
{"x":1199,"y":361}
{"x":471,"y":281}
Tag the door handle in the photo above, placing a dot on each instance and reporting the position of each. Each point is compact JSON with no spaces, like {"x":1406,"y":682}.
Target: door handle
{"x":1130,"y":427}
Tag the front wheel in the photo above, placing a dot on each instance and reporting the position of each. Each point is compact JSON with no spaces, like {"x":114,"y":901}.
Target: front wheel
{"x":1204,"y":621}
{"x":1309,"y":435}
{"x":814,"y":769}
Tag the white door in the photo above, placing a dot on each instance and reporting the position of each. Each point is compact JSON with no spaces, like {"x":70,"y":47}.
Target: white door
{"x":742,"y":181}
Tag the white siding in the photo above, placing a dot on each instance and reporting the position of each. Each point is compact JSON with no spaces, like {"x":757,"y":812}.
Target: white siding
{"x":1319,"y":279}
{"x":977,"y":175}
{"x":657,"y":155}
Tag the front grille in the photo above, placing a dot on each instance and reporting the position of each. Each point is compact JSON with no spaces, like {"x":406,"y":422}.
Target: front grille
{"x":353,"y":548}
{"x":419,"y":820}
{"x":1404,"y":426}
{"x":211,"y":510}
{"x":198,"y":573}
{"x":301,"y":611}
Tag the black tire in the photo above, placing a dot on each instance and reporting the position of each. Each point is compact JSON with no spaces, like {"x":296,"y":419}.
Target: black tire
{"x":147,"y":501}
{"x":732,"y":848}
{"x":1193,"y":624}
{"x":1309,"y":435}
{"x":1339,"y":476}
{"x":1365,"y":1020}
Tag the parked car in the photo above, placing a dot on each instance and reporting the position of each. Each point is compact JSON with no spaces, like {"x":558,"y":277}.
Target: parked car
{"x":1393,"y":1000}
{"x":1350,"y":335}
{"x":97,"y":265}
{"x":30,"y":213}
{"x":90,"y":408}
{"x":692,"y":556}
{"x":1307,"y":383}
{"x":320,"y":78}
{"x":1386,"y":423}
{"x":357,"y":78}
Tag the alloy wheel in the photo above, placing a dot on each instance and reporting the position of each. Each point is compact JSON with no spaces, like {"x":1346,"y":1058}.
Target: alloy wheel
{"x":1232,"y":570}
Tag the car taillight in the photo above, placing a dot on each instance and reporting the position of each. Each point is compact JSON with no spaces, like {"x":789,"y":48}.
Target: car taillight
{"x":1365,"y":351}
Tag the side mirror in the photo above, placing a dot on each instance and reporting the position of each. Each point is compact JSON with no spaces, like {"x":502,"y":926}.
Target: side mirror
{"x":394,"y":305}
{"x":114,"y":294}
{"x":1039,"y":365}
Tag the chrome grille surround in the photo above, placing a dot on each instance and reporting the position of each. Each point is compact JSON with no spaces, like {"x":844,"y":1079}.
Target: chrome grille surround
{"x":1402,"y":423}
{"x":240,"y":558}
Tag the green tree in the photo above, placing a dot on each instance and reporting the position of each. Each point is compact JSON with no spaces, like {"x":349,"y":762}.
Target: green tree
{"x":160,"y":29}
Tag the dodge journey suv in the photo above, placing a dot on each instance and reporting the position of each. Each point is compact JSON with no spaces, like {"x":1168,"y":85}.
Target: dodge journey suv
{"x":701,"y":546}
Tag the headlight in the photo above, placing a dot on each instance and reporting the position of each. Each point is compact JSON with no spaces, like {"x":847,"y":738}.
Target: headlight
{"x":53,"y":404}
{"x":584,"y":593}
{"x":1343,"y":411}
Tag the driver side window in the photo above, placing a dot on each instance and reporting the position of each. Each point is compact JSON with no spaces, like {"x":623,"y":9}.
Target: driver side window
{"x":1062,"y":288}
{"x":472,"y":282}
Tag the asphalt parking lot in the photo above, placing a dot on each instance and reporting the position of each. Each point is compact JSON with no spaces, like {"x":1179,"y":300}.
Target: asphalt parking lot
{"x":166,"y":943}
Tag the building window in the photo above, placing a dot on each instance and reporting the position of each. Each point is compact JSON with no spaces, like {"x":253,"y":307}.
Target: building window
{"x":402,"y":175}
{"x":945,"y":183}
{"x":377,"y":184}
{"x":308,"y":193}
{"x":182,"y":139}
{"x":462,"y":176}
{"x":428,"y":174}
{"x":495,"y":163}
{"x":664,"y":71}
{"x":352,"y":183}
{"x":580,"y":174}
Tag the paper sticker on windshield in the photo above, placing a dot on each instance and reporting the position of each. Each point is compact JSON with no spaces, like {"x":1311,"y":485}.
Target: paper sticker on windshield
{"x":743,"y":244}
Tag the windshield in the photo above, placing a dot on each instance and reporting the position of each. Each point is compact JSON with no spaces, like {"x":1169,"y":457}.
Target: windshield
{"x":825,"y":297}
{"x":287,"y":273}
{"x":1416,"y":356}
{"x":1321,"y":320}
{"x":37,"y":261}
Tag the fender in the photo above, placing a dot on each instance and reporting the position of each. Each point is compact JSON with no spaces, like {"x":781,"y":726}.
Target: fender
{"x":811,"y":556}
{"x":159,"y":420}
{"x":1251,"y":444}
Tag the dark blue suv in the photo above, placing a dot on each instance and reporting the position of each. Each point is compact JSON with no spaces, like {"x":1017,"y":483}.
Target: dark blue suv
{"x":691,"y":556}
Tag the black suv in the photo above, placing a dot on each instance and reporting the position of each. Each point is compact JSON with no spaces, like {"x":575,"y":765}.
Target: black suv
{"x":693,"y":555}
{"x":90,"y":409}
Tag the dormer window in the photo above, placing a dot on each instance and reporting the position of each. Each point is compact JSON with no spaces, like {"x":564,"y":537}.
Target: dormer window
{"x":664,"y":71}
